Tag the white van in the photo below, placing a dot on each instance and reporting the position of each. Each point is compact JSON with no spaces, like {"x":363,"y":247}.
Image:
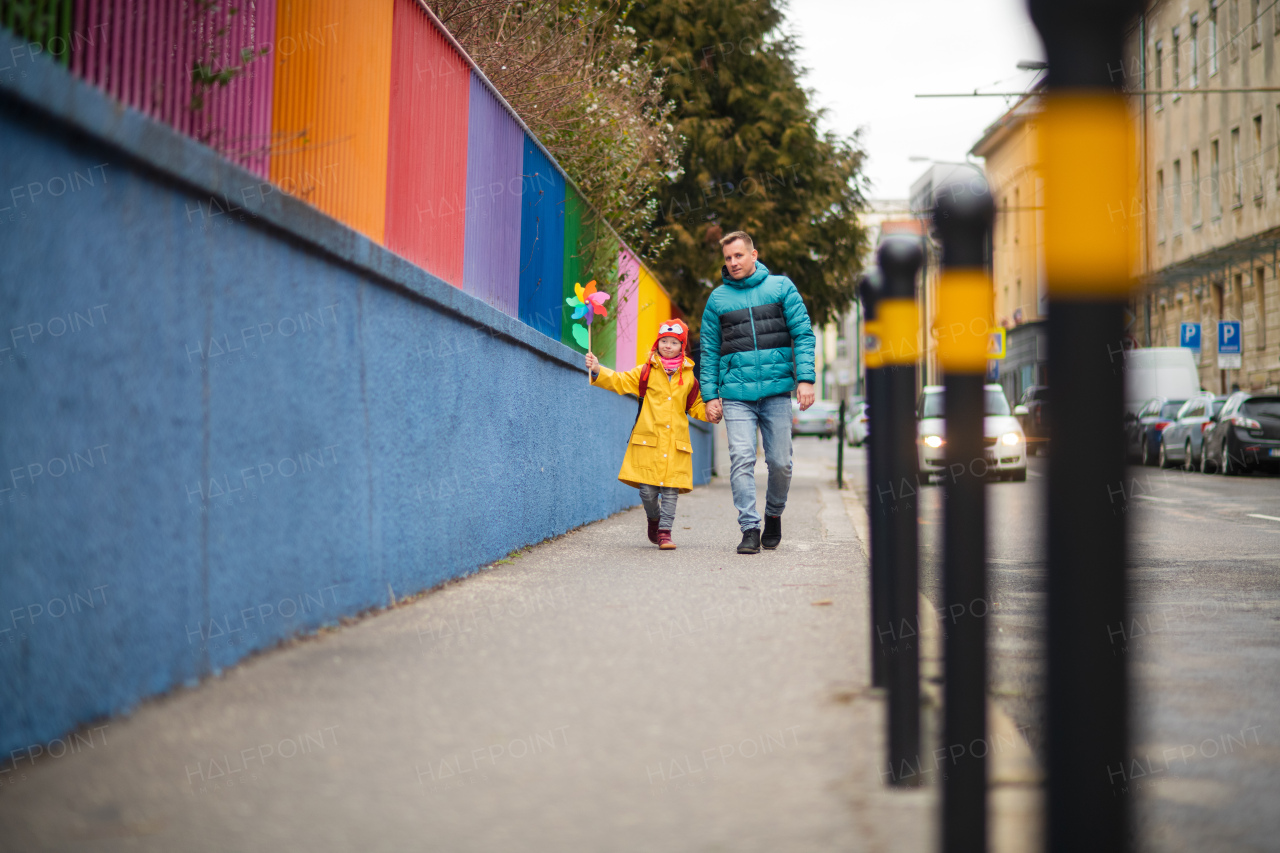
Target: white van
{"x":1159,"y":372}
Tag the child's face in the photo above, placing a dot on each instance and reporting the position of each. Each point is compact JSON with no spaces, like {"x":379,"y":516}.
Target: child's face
{"x":668,"y":347}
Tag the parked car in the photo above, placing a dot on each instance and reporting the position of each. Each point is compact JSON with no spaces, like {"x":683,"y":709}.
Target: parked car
{"x":1005,"y":446}
{"x":1246,"y":436}
{"x":858,"y":426}
{"x":819,"y":419}
{"x":1143,"y":429}
{"x":1182,"y":442}
{"x":1168,"y":372}
{"x":1032,"y":413}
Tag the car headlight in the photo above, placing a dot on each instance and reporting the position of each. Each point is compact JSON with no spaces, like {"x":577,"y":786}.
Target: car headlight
{"x":1011,"y":438}
{"x":933,"y":440}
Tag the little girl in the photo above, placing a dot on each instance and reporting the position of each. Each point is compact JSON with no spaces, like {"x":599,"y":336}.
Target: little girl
{"x":659,"y":458}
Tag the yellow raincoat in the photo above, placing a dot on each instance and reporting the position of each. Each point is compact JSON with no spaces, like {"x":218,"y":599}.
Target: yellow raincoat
{"x":659,"y":453}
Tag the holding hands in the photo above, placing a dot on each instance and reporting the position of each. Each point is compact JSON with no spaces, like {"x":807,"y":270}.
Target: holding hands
{"x":715,"y":411}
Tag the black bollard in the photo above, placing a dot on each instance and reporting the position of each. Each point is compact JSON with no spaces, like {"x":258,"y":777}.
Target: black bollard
{"x":962,"y":218}
{"x":840,"y":448}
{"x":1086,"y":146}
{"x":870,"y":289}
{"x":899,"y":328}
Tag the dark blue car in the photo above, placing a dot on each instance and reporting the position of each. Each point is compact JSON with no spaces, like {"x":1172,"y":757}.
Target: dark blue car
{"x":1143,"y":429}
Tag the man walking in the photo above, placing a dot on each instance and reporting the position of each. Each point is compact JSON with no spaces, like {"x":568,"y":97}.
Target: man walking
{"x":757,"y":347}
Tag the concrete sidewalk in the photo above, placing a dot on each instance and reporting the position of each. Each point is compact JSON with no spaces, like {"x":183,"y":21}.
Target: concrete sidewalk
{"x":593,"y":694}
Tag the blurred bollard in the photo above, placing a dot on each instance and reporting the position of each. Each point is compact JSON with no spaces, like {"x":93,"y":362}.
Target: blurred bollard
{"x":897,"y":317}
{"x":870,"y":289}
{"x":1086,"y":151}
{"x":840,"y":448}
{"x":962,"y":218}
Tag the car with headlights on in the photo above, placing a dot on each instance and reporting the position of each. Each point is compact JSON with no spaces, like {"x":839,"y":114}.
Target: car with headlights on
{"x":1004,"y":443}
{"x":1246,"y":436}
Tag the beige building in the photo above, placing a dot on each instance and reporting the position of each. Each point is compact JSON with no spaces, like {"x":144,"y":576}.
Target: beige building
{"x":1210,"y":180}
{"x":839,"y":351}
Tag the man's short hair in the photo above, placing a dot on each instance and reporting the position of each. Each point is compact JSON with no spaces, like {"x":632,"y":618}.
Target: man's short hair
{"x":737,"y":235}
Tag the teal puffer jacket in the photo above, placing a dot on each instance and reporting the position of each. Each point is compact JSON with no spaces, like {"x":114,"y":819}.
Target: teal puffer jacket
{"x":756,"y":338}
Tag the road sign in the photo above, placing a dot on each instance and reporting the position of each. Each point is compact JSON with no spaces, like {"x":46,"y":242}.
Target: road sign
{"x":1229,"y":344}
{"x":1190,"y":335}
{"x":996,"y":343}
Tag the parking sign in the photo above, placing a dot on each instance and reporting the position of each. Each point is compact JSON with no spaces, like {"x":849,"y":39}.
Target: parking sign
{"x":1229,"y":344}
{"x":1190,"y":335}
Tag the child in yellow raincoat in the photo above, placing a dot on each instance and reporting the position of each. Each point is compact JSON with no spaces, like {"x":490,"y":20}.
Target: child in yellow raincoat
{"x":659,"y":458}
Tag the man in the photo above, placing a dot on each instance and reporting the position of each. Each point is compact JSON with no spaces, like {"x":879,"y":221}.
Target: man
{"x":757,"y":347}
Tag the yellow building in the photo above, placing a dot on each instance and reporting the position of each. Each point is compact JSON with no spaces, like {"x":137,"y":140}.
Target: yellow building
{"x":1010,"y":152}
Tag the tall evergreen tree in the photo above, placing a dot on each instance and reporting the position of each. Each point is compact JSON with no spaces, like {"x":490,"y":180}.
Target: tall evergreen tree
{"x":754,"y":158}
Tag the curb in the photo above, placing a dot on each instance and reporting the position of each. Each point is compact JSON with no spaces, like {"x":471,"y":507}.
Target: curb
{"x":1015,"y":803}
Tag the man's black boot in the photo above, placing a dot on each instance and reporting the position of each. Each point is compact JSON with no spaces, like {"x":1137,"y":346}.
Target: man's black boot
{"x":750,"y":543}
{"x":772,"y":531}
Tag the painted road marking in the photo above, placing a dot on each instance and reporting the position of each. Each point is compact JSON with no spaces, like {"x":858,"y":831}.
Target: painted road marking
{"x":1034,"y":474}
{"x":1267,"y":517}
{"x":1161,"y":500}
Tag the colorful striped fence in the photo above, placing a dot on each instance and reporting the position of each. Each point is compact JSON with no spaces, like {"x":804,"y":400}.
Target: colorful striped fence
{"x":371,"y":112}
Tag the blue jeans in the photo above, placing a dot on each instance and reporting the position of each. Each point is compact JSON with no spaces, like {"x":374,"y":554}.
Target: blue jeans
{"x":772,"y":416}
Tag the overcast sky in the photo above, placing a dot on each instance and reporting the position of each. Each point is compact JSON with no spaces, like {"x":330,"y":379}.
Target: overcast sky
{"x":868,"y":58}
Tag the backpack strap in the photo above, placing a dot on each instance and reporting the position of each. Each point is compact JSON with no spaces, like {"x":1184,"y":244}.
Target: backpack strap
{"x":693,"y":392}
{"x":644,"y":387}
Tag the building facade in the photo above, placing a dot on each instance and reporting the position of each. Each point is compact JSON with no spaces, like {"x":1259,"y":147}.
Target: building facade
{"x":1010,"y":151}
{"x":1209,"y":142}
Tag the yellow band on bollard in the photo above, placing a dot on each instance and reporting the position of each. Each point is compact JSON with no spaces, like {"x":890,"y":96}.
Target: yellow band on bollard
{"x":899,"y":322}
{"x":1092,"y":212}
{"x":963,"y":320}
{"x":871,"y":344}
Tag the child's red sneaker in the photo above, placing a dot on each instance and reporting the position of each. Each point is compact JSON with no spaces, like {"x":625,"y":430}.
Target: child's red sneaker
{"x":664,"y":540}
{"x":653,"y":530}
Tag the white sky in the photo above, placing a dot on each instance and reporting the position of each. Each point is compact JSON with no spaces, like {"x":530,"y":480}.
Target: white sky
{"x":868,"y":58}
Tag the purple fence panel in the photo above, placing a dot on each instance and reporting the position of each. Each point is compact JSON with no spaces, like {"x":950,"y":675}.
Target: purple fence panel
{"x":495,"y":169}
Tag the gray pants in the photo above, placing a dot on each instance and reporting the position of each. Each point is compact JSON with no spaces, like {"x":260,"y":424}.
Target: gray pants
{"x":666,"y":495}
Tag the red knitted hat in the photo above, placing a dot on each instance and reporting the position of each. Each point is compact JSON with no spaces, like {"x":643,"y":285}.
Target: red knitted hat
{"x":673,"y":329}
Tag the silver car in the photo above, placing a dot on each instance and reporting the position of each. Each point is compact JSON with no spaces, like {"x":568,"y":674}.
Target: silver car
{"x":1004,"y":443}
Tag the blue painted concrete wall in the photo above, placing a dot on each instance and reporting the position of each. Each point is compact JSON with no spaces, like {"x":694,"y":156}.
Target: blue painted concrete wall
{"x":226,"y":418}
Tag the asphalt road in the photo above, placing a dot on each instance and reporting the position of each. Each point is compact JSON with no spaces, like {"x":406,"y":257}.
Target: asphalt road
{"x":1203,"y":635}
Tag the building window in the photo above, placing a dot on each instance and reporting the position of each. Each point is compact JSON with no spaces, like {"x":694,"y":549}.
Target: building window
{"x":1255,"y":27}
{"x":1004,"y":220}
{"x":1197,"y":207}
{"x":1233,"y":28}
{"x":1160,"y":206}
{"x":1177,"y":198}
{"x":1017,"y":215}
{"x":1159,"y":69}
{"x":1177,"y":63}
{"x":1237,"y":179}
{"x":1213,"y":40}
{"x":1194,"y":54}
{"x":1215,"y":179}
{"x":1257,"y":158}
{"x":1260,"y":290}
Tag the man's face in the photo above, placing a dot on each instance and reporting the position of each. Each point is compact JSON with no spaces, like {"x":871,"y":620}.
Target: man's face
{"x":739,"y":261}
{"x":668,"y":347}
